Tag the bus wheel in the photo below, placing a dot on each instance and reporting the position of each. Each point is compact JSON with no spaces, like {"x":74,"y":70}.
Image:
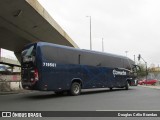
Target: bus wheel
{"x":126,"y":86}
{"x":75,"y":88}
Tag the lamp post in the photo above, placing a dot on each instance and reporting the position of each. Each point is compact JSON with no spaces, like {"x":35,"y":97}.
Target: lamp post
{"x":102,"y":46}
{"x":134,"y":59}
{"x":90,"y":33}
{"x":126,"y":53}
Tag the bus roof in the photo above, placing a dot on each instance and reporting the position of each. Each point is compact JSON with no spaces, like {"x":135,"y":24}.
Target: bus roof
{"x":78,"y":49}
{"x":69,"y":55}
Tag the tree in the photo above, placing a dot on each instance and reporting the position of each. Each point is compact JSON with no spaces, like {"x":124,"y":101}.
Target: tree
{"x":142,"y":71}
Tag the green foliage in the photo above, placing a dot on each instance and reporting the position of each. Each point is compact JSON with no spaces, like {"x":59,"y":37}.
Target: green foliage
{"x":142,"y":71}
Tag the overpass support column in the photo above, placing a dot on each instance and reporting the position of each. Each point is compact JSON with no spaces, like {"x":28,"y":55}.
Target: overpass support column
{"x":18,"y":55}
{"x":0,"y":53}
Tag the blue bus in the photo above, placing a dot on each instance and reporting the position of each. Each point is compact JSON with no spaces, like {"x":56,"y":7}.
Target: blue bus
{"x":52,"y":67}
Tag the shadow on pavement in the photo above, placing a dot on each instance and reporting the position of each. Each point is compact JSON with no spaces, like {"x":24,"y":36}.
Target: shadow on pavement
{"x":48,"y":95}
{"x":92,"y":91}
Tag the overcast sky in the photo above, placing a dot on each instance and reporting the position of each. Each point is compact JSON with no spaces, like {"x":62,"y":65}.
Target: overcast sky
{"x":125,"y":25}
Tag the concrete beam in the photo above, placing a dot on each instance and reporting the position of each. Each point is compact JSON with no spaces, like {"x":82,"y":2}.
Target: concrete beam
{"x":26,"y":21}
{"x":38,"y":7}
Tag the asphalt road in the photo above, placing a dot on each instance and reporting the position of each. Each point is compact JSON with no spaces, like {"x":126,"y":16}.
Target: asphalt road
{"x":136,"y":98}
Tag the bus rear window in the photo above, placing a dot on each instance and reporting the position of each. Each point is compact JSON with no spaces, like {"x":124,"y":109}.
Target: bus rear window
{"x":28,"y":55}
{"x":29,"y":52}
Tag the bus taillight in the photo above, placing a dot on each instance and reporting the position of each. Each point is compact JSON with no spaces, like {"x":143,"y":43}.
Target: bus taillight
{"x":36,"y":74}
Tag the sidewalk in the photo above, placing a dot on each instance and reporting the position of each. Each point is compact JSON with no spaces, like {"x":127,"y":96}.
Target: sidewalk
{"x":14,"y":92}
{"x":150,"y":86}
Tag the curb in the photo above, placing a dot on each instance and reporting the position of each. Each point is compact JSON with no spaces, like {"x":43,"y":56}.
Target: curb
{"x":153,"y":87}
{"x":14,"y":92}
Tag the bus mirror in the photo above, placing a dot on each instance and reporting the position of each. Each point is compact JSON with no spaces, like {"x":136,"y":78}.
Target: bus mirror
{"x":136,"y":68}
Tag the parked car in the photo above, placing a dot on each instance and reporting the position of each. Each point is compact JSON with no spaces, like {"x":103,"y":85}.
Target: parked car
{"x":141,"y":82}
{"x":148,"y":82}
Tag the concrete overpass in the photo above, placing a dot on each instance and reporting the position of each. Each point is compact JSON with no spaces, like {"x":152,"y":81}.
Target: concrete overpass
{"x":26,"y":21}
{"x":9,"y":62}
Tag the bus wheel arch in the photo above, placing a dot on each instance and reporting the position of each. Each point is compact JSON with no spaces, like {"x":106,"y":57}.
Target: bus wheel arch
{"x":76,"y":86}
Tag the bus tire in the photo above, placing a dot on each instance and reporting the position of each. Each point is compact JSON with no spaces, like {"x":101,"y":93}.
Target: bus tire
{"x":127,"y":85}
{"x":75,"y":89}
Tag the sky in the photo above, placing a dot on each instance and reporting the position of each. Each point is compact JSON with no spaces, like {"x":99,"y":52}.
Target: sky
{"x":124,"y":25}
